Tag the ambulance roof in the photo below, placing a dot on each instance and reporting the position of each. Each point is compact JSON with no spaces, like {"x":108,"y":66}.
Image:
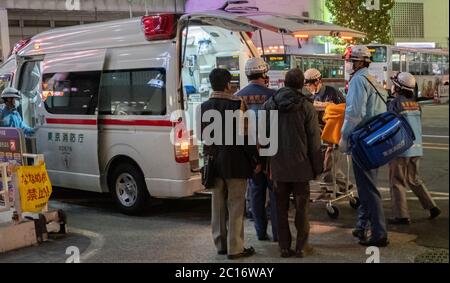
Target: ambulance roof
{"x":84,"y":37}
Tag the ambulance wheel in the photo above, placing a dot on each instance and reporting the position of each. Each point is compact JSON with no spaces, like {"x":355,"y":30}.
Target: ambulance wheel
{"x":332,"y":211}
{"x":127,"y":185}
{"x":355,"y":202}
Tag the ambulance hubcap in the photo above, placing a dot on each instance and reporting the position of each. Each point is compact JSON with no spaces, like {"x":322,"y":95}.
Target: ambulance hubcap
{"x":126,"y":189}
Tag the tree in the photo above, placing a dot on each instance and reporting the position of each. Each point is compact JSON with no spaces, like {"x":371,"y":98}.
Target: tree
{"x":354,"y":14}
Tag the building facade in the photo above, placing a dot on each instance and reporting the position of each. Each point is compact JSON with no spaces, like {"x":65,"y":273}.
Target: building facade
{"x":421,"y":21}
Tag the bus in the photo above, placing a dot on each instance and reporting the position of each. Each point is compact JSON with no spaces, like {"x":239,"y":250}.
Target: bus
{"x":331,"y":67}
{"x":429,"y":66}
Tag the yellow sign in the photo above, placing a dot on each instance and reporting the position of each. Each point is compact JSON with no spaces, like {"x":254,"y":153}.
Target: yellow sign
{"x":34,"y":187}
{"x":278,"y":58}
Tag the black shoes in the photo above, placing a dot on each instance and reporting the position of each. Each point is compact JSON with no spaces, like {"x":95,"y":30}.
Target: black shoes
{"x":434,"y":212}
{"x":399,"y":221}
{"x":306,"y":251}
{"x":264,"y":238}
{"x":267,"y":238}
{"x":246,"y":253}
{"x":222,"y":252}
{"x":369,"y":242}
{"x":300,"y":253}
{"x":360,"y":234}
{"x":383,"y":242}
{"x":285,"y":253}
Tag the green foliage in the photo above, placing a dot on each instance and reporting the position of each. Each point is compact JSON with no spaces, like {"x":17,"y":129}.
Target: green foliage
{"x":376,"y":24}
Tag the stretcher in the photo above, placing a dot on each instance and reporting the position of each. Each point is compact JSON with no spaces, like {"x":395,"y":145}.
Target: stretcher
{"x":330,"y":193}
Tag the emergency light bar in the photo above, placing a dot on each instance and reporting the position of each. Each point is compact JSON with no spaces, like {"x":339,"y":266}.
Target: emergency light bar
{"x":159,"y":27}
{"x":19,"y":45}
{"x":301,"y":36}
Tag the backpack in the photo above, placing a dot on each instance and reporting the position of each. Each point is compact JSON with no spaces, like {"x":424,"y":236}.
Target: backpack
{"x":382,"y":138}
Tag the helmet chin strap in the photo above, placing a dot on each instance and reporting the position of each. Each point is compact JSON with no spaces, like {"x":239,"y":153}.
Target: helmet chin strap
{"x":357,"y":68}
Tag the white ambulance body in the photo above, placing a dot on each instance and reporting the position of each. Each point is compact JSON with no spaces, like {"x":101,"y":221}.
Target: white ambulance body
{"x":101,"y":96}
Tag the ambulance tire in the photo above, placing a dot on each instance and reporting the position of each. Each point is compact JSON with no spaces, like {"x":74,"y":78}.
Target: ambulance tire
{"x":127,"y":186}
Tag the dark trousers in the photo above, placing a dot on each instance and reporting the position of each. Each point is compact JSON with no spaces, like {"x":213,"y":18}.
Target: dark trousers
{"x":258,"y":187}
{"x":301,"y":193}
{"x":370,"y":212}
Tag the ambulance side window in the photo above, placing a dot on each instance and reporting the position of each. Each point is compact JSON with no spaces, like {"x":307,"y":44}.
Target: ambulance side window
{"x":5,"y":81}
{"x":30,"y":79}
{"x":73,"y":93}
{"x":133,"y":92}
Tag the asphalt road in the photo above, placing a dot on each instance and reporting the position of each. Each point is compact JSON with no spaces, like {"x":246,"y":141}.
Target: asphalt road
{"x":179,"y":230}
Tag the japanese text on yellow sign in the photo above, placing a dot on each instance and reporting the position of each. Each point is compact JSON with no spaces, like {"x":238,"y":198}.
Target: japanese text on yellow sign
{"x":34,"y":187}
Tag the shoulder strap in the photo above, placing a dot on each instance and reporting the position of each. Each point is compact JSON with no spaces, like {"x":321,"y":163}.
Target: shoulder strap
{"x":378,"y":93}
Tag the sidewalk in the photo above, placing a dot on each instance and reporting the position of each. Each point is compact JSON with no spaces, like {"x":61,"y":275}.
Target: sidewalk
{"x":51,"y":251}
{"x":331,"y":245}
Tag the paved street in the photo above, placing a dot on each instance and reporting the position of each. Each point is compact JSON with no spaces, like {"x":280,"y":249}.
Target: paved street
{"x":179,"y":230}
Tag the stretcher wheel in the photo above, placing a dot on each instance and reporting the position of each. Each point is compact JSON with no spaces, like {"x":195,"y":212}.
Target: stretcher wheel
{"x":332,"y":211}
{"x":355,"y":202}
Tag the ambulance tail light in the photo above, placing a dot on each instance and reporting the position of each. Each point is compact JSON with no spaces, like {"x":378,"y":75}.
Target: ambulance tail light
{"x":182,"y":144}
{"x":158,"y":27}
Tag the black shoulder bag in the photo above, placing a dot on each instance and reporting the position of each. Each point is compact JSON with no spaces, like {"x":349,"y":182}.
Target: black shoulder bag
{"x":208,"y":170}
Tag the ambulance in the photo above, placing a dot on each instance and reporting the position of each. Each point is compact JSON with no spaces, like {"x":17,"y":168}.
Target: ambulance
{"x":101,"y":95}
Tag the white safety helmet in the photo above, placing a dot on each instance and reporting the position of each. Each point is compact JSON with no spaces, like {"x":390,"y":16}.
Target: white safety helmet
{"x":255,"y":66}
{"x":404,"y":80}
{"x":11,"y":92}
{"x":312,"y":75}
{"x":360,"y":53}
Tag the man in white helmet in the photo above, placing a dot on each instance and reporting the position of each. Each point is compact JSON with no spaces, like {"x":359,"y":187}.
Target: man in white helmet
{"x":404,"y":169}
{"x":323,"y":95}
{"x":255,"y":94}
{"x":363,"y":103}
{"x":321,"y":92}
{"x":10,"y":116}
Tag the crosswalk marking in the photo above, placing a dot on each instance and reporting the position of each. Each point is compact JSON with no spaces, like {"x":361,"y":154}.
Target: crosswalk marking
{"x":436,"y":137}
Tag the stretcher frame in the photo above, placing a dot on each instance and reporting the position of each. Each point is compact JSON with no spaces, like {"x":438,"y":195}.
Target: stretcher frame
{"x":329,"y":193}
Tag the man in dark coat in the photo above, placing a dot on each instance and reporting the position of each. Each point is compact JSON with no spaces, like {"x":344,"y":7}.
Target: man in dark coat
{"x":234,"y":163}
{"x":297,"y":161}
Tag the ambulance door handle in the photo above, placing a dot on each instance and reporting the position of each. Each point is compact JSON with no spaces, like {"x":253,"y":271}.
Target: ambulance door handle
{"x":41,"y":119}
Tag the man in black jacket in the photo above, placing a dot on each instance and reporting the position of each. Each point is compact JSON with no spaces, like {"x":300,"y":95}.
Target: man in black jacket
{"x":234,"y":163}
{"x":297,"y":161}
